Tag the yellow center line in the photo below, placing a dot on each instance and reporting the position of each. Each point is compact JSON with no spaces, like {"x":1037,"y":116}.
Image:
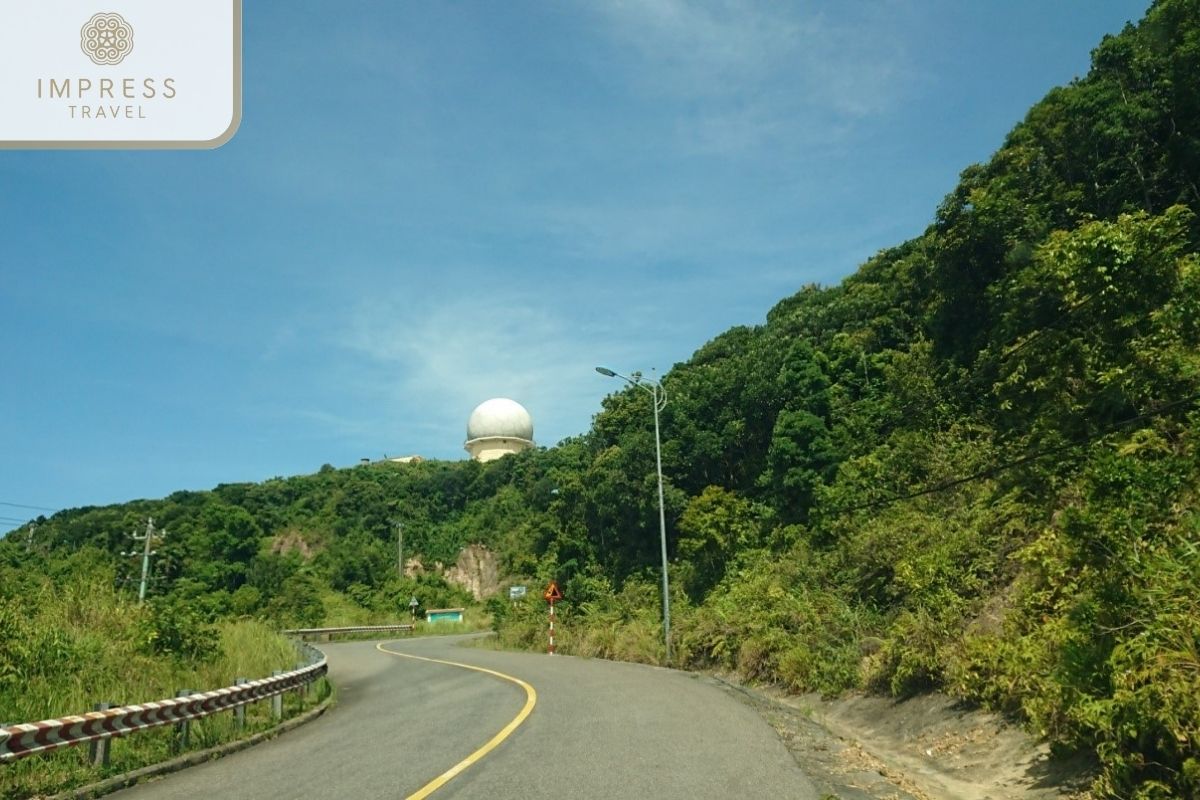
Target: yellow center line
{"x":491,"y":744}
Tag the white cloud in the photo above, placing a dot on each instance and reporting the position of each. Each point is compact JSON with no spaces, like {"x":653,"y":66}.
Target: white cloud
{"x":747,"y":74}
{"x":430,"y":364}
{"x":702,"y":48}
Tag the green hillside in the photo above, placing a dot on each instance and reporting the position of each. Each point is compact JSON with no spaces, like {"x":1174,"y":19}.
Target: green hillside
{"x":970,"y":467}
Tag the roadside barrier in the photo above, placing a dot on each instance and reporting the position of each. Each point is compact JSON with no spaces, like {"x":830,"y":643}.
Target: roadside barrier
{"x":405,"y":628}
{"x":24,"y":739}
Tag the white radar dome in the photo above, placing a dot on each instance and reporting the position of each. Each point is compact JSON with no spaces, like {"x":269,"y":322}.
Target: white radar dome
{"x":497,"y":427}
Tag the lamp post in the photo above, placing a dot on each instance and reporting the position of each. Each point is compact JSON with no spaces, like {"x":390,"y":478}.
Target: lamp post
{"x":659,"y":398}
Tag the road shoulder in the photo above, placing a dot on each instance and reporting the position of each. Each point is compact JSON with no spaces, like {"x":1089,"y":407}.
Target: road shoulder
{"x":925,"y":748}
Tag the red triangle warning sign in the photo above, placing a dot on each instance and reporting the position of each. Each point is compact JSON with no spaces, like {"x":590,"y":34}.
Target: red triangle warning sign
{"x":552,"y":593}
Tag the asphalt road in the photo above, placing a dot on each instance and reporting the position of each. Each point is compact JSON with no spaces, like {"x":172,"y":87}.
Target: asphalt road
{"x":599,"y":729}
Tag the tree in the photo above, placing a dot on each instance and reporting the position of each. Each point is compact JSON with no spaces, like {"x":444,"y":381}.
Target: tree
{"x":713,"y":528}
{"x":802,"y":457}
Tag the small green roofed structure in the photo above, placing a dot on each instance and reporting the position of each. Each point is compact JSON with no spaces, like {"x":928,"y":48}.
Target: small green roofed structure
{"x":444,"y":615}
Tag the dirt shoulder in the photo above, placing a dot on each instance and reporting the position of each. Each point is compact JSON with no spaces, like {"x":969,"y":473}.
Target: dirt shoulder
{"x":925,"y":748}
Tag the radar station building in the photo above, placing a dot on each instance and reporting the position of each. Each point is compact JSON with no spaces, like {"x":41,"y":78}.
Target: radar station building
{"x":498,"y":427}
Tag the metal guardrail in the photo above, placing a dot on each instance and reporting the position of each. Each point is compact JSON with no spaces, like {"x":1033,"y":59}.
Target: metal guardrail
{"x":406,"y":627}
{"x":24,"y":739}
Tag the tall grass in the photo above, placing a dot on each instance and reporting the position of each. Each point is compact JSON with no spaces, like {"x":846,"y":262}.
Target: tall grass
{"x":66,"y":646}
{"x":341,"y":611}
{"x":614,"y":629}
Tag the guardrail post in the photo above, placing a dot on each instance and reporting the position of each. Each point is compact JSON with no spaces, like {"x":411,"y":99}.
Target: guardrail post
{"x":98,"y":748}
{"x":277,"y":700}
{"x":304,"y":653}
{"x":239,"y":711}
{"x":183,"y":730}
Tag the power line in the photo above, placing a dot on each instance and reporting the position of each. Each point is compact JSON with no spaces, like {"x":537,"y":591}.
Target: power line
{"x":22,"y":505}
{"x":1025,"y":459}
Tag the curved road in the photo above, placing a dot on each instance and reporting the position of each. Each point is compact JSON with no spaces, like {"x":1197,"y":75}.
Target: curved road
{"x":599,"y":729}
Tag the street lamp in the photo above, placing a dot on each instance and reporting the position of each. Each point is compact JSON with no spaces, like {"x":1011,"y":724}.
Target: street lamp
{"x":660,"y":402}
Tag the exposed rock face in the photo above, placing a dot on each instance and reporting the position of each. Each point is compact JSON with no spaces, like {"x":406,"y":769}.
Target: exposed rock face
{"x":290,"y":540}
{"x":477,"y":571}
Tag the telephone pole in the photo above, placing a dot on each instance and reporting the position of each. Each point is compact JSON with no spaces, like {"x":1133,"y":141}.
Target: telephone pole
{"x":147,"y":539}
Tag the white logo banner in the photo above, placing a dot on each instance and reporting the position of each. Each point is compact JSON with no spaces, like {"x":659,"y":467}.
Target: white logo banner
{"x":120,"y":73}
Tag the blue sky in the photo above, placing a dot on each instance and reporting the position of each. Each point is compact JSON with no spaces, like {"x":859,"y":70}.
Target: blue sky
{"x":433,"y":203}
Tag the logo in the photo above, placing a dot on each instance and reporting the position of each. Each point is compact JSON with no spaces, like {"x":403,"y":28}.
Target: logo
{"x":176,"y":84}
{"x":106,"y":39}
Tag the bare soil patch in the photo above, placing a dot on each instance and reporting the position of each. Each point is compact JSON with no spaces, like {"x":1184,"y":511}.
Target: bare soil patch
{"x":929,"y":747}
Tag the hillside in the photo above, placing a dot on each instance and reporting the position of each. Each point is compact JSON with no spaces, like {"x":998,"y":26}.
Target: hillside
{"x":970,"y":467}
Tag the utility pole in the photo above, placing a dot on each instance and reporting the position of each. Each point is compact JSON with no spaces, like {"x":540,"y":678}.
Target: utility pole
{"x":148,"y":539}
{"x":29,"y":537}
{"x":399,"y":548}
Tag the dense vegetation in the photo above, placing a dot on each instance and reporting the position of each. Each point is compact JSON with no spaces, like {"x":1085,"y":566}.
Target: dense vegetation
{"x":971,"y":467}
{"x":68,"y":640}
